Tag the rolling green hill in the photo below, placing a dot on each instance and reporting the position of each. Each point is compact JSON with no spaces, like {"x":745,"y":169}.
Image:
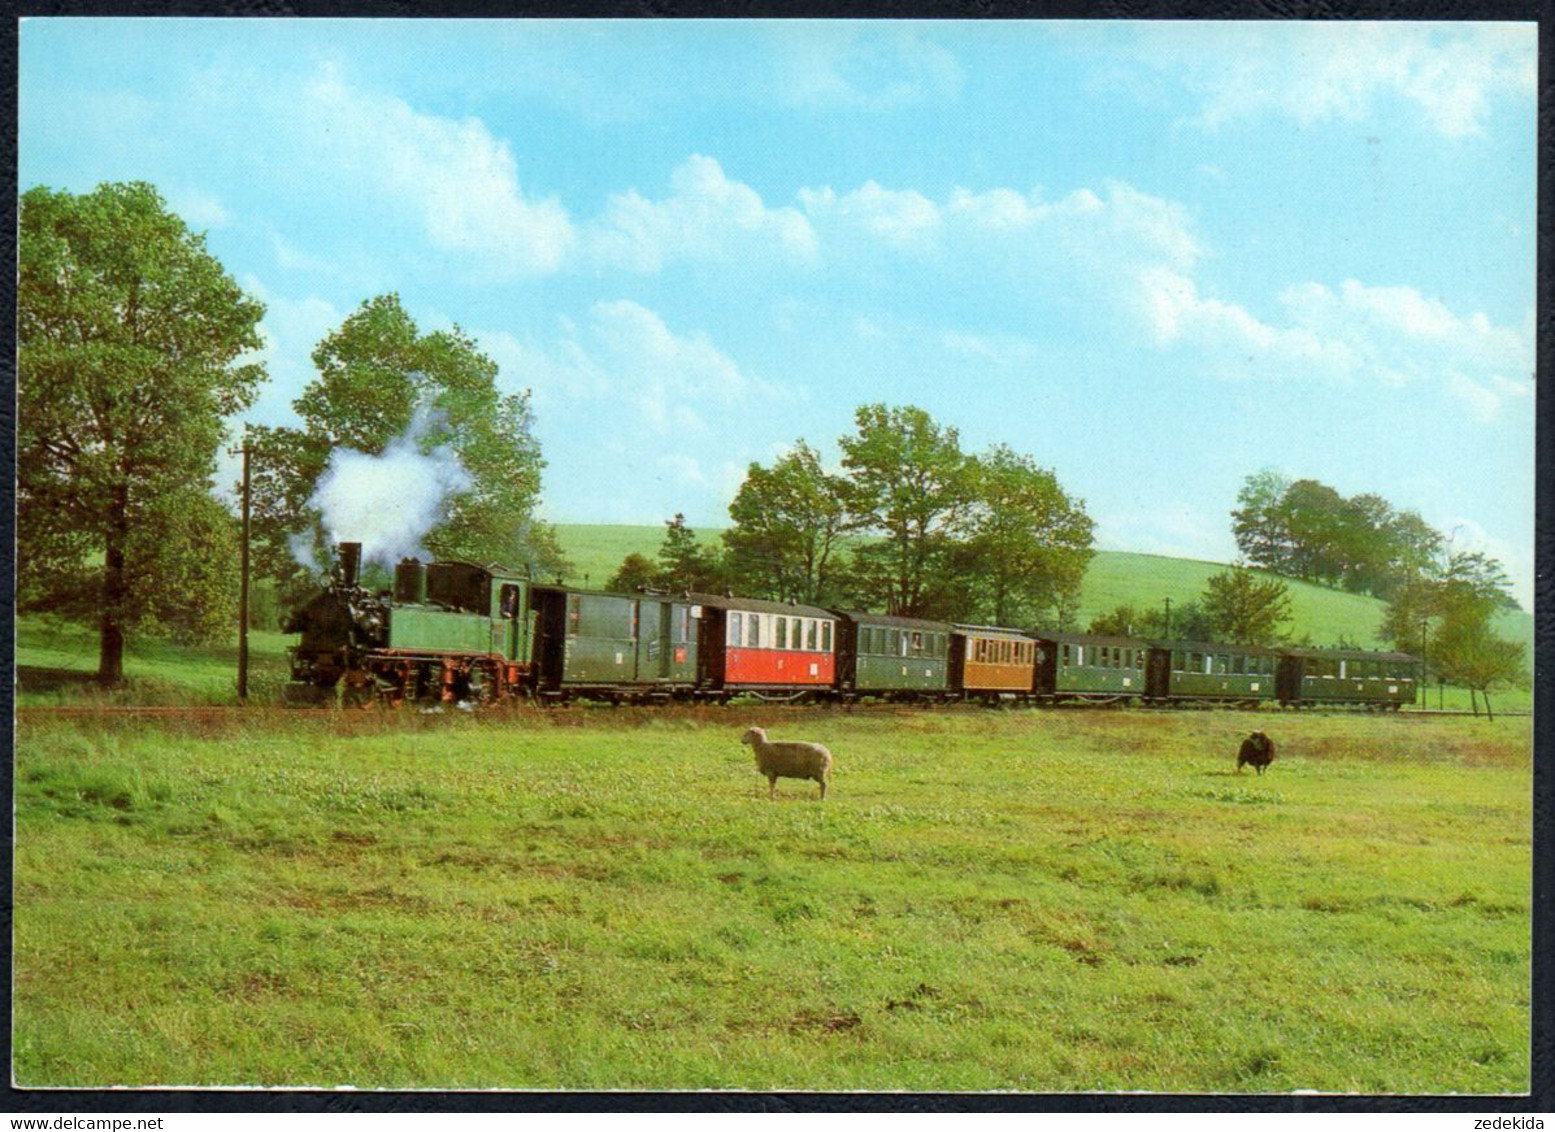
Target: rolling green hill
{"x":1115,"y":577}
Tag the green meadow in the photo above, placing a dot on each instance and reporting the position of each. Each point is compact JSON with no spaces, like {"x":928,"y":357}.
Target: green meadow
{"x":1024,"y":900}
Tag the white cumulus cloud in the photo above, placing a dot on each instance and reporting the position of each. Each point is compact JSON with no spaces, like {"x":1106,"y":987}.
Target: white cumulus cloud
{"x":454,"y":176}
{"x":706,"y":216}
{"x":902,"y":217}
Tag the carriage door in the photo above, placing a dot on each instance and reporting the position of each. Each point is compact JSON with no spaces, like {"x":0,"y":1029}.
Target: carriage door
{"x":1158,"y":678}
{"x":507,"y":636}
{"x":661,"y":637}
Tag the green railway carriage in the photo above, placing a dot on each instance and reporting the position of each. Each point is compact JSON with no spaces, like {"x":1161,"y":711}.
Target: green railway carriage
{"x":1088,"y":666}
{"x":1376,"y":680}
{"x":893,"y":658}
{"x":614,"y":646}
{"x":1205,"y":671}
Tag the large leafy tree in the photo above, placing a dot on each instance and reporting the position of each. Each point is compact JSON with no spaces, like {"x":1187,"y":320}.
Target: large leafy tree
{"x":788,"y":521}
{"x":1245,"y":609}
{"x":1029,"y":541}
{"x":374,"y":373}
{"x":131,"y":339}
{"x":1257,"y":522}
{"x":909,"y":486}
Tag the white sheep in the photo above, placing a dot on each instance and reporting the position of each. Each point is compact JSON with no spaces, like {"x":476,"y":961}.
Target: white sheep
{"x":789,"y":760}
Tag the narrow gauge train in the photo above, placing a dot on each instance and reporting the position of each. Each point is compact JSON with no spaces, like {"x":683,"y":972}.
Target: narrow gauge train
{"x":457,"y":632}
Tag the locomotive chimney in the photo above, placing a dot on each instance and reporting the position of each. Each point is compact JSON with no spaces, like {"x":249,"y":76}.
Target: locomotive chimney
{"x":350,"y":559}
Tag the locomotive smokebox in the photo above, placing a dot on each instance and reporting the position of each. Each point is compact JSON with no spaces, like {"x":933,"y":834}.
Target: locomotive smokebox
{"x":350,"y":561}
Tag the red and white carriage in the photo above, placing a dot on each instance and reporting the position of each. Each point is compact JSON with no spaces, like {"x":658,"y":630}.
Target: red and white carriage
{"x":775,"y":649}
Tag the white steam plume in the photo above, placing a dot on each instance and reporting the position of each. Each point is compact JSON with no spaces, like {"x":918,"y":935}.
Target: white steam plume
{"x":389,"y":502}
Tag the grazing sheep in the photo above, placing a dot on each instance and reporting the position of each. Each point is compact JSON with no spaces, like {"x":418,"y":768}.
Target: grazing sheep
{"x":789,"y":760}
{"x":1257,"y":749}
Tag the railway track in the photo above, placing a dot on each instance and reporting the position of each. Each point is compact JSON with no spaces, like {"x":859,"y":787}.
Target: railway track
{"x":258,"y":711}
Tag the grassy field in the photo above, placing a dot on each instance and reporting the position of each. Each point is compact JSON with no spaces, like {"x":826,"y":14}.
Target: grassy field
{"x":57,"y":661}
{"x":1075,"y":900}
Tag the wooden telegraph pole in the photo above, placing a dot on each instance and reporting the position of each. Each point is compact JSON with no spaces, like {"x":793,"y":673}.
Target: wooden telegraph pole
{"x":243,"y":587}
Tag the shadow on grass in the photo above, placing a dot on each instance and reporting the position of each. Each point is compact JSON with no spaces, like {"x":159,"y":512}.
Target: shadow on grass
{"x":32,"y":678}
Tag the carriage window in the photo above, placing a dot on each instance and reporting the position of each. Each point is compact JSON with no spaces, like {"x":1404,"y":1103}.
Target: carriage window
{"x":736,"y":623}
{"x":753,"y":630}
{"x":509,"y":602}
{"x":812,"y":634}
{"x":826,"y":636}
{"x":682,"y":624}
{"x":796,"y":633}
{"x":574,"y":613}
{"x":1065,"y":660}
{"x":781,"y":633}
{"x":1236,"y":665}
{"x":917,"y":642}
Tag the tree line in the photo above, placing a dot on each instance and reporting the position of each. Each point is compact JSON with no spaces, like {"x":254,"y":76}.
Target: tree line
{"x":1362,"y":544}
{"x":910,"y":525}
{"x":1441,"y":601}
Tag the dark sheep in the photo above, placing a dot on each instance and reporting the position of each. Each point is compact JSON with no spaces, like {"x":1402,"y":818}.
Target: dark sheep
{"x":1257,"y":750}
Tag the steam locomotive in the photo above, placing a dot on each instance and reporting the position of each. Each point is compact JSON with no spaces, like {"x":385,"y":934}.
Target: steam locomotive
{"x":455,"y":632}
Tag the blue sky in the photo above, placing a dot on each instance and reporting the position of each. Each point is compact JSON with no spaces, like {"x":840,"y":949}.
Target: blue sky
{"x":1158,"y":256}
